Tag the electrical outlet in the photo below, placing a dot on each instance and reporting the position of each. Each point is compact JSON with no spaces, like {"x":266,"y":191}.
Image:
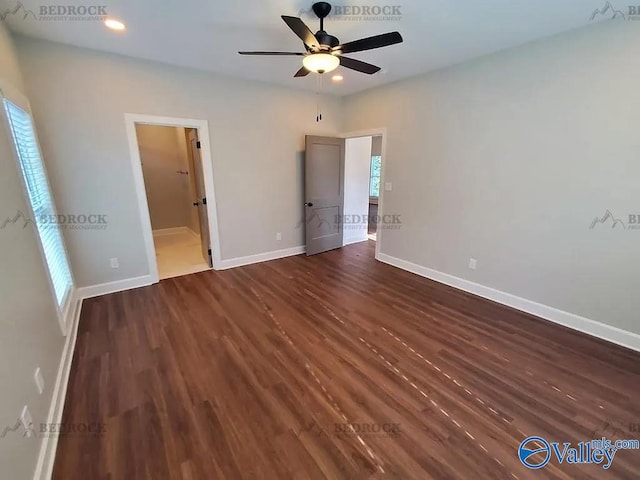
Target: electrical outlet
{"x":114,"y":263}
{"x":279,"y":236}
{"x":473,"y":263}
{"x":27,"y":421}
{"x":388,"y":187}
{"x":37,"y":376}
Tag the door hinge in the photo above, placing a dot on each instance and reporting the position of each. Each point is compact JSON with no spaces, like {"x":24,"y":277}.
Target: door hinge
{"x":209,"y":251}
{"x":204,"y":201}
{"x":198,"y":144}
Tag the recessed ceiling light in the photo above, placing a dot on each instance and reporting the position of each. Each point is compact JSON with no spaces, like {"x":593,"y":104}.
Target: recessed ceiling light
{"x":337,"y":78}
{"x":114,"y":24}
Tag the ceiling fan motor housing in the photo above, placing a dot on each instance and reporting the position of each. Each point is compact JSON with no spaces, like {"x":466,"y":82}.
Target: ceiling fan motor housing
{"x":321,"y":9}
{"x":324,"y":39}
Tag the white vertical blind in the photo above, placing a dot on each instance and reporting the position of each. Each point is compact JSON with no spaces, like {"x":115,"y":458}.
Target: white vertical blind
{"x":41,"y":200}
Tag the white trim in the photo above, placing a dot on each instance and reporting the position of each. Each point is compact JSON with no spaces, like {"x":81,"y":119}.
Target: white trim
{"x":47,"y":455}
{"x":358,"y":239}
{"x":205,"y":152}
{"x":163,"y":232}
{"x":375,"y":132}
{"x":261,"y":257}
{"x":192,"y":233}
{"x":113,"y":287}
{"x":570,"y":320}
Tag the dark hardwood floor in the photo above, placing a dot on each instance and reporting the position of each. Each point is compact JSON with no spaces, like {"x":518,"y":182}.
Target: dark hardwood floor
{"x":258,"y":372}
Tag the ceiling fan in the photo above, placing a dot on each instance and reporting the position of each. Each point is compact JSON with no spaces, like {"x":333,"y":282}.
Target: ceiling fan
{"x":324,"y":52}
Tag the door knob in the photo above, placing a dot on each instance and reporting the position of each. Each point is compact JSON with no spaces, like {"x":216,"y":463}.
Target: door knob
{"x":308,"y":204}
{"x":196,"y":204}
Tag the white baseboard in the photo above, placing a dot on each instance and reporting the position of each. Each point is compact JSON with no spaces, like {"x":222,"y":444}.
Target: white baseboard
{"x":161,"y":232}
{"x":591,"y":327}
{"x":260,"y":257}
{"x":358,"y":239}
{"x":47,"y":455}
{"x":113,"y":287}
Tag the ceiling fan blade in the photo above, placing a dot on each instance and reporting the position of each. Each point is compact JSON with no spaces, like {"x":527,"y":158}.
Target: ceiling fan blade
{"x":302,"y":31}
{"x":358,"y":65}
{"x":370,"y":43}
{"x":271,"y":53}
{"x":303,"y":72}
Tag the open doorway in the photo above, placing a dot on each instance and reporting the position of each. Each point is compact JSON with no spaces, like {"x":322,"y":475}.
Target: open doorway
{"x":170,"y":161}
{"x":363,"y":171}
{"x":174,"y":182}
{"x":340,"y":187}
{"x":375,"y":174}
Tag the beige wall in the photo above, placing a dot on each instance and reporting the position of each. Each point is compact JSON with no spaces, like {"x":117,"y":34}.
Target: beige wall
{"x":257,"y":135}
{"x":508,"y":159}
{"x":163,"y":153}
{"x":29,"y":330}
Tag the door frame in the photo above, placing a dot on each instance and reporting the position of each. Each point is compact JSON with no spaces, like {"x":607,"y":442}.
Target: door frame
{"x":375,"y":132}
{"x":202,"y":126}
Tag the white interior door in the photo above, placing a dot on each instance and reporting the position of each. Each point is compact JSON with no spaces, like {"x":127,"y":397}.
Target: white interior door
{"x":201,"y":203}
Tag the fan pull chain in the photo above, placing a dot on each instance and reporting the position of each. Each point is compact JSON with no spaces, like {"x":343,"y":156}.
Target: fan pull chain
{"x":318,"y":99}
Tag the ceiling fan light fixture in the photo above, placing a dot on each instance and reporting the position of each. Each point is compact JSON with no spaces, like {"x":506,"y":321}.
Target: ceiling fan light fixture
{"x":321,"y":62}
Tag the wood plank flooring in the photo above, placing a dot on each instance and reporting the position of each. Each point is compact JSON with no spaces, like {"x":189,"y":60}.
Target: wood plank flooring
{"x":334,"y":366}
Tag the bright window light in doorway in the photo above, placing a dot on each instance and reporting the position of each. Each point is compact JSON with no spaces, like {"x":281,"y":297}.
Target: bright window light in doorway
{"x":376,"y":170}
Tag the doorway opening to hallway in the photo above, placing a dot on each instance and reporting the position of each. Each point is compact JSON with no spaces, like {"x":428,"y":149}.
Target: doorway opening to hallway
{"x":174,"y":187}
{"x":342,"y":190}
{"x":174,"y":178}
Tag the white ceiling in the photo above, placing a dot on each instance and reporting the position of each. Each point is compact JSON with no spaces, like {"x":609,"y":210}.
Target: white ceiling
{"x":206,"y":34}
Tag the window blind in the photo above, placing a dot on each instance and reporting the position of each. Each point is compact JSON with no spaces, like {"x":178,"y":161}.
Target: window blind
{"x":24,"y":137}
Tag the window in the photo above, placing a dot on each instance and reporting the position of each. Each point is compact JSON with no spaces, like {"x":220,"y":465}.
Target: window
{"x":374,"y":184}
{"x":39,"y":193}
